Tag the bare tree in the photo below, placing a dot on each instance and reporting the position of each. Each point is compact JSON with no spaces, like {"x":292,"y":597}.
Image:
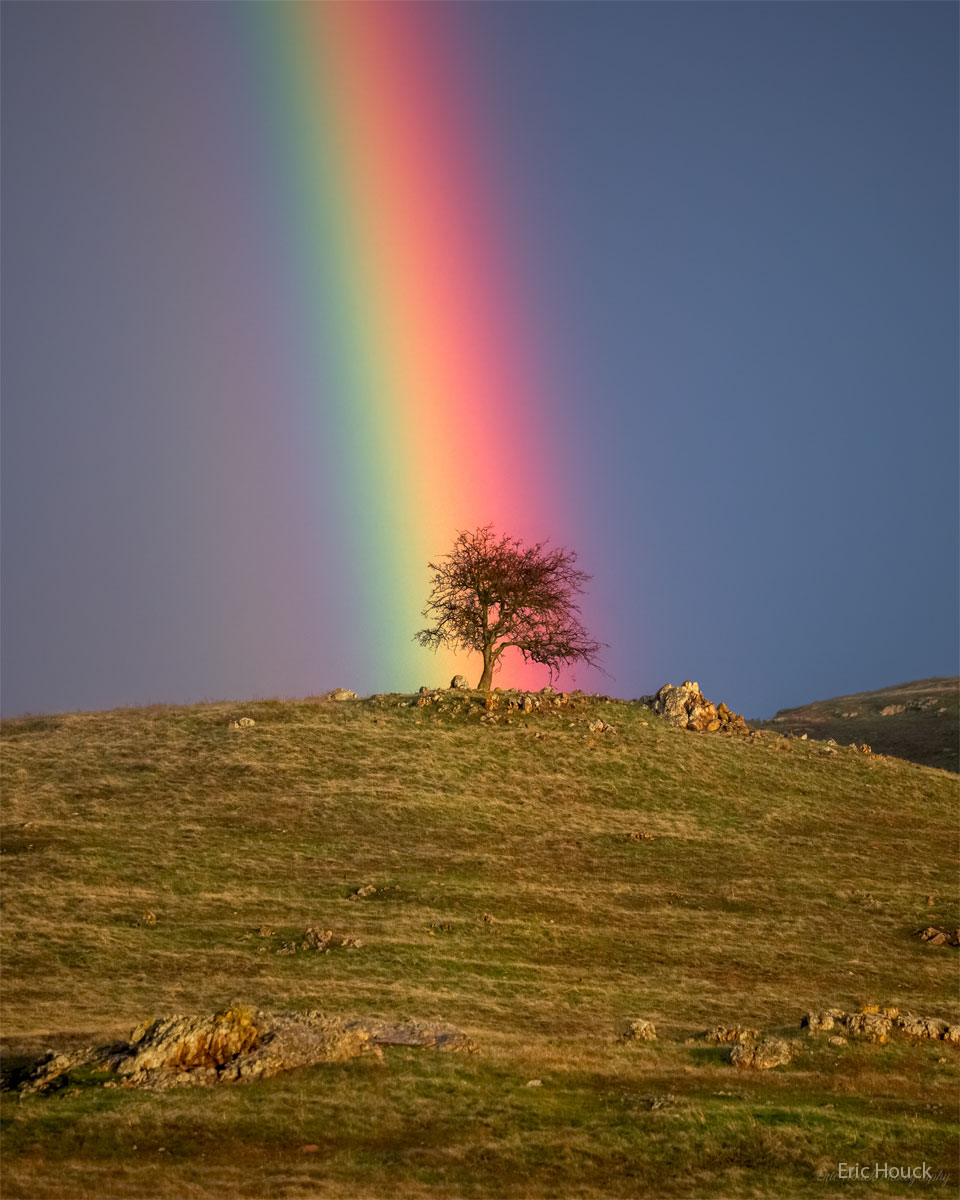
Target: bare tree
{"x":491,"y":592}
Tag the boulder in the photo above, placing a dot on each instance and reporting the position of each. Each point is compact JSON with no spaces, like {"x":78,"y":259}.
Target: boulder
{"x":639,"y":1030}
{"x":686,"y":707}
{"x":763,"y":1055}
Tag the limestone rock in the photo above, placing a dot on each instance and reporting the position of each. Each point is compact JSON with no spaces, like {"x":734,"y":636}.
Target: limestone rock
{"x":639,"y":1030}
{"x":234,"y":1045}
{"x":763,"y":1055}
{"x":686,"y":707}
{"x":721,"y":1034}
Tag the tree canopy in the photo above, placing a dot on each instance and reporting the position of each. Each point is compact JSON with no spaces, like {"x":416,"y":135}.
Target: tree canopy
{"x":491,"y":592}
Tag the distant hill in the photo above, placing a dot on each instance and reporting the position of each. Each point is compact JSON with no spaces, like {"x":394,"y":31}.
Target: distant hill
{"x":917,"y":721}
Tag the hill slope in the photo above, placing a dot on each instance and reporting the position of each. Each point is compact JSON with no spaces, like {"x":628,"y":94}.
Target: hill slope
{"x":518,"y":898}
{"x":919,"y":721}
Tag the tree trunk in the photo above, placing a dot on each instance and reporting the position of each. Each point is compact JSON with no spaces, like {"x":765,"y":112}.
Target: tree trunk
{"x":486,"y":679}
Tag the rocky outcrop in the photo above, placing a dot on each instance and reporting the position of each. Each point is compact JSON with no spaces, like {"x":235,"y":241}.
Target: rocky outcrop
{"x":235,"y":1044}
{"x":875,"y":1024}
{"x":686,"y":707}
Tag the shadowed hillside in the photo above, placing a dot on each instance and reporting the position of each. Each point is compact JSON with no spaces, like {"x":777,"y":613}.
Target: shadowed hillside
{"x":919,"y":721}
{"x":536,"y":880}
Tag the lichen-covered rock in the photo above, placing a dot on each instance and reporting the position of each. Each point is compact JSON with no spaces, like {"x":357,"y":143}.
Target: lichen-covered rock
{"x":686,"y":707}
{"x":821,"y":1022}
{"x":873,"y":1026}
{"x":638,"y":1030}
{"x":236,"y":1044}
{"x":722,"y":1034}
{"x":763,"y":1055}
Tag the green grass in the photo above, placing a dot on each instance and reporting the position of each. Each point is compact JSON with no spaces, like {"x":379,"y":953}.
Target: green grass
{"x":779,"y":878}
{"x":927,"y":732}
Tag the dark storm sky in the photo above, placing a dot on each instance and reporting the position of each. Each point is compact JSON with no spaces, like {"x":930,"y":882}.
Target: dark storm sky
{"x":745,"y":221}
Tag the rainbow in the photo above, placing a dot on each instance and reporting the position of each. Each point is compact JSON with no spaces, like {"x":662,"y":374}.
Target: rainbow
{"x":425,"y":374}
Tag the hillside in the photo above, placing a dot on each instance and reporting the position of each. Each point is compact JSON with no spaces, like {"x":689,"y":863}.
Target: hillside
{"x":919,"y":721}
{"x":532,"y":881}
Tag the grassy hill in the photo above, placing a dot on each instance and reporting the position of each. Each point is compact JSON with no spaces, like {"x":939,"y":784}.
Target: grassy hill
{"x":518,"y":899}
{"x":924,"y":725}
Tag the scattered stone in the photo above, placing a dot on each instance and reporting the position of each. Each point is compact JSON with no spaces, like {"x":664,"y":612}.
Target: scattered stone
{"x":638,"y":1030}
{"x":342,"y":694}
{"x":460,"y":683}
{"x":243,"y":723}
{"x":686,"y":707}
{"x":891,"y":710}
{"x":837,"y":1041}
{"x":368,"y":889}
{"x":879,"y":1025}
{"x":236,"y":1044}
{"x":938,"y":937}
{"x":763,"y":1055}
{"x":721,"y":1034}
{"x":601,"y":727}
{"x":320,"y":941}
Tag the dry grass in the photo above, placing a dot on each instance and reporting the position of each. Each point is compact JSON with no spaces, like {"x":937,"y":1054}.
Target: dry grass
{"x":926,"y":732}
{"x":778,"y":878}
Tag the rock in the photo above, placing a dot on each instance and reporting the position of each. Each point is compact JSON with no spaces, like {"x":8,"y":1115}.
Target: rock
{"x":243,"y":723}
{"x":368,"y":889}
{"x":721,"y":1034}
{"x":490,"y":702}
{"x":938,"y":937}
{"x":638,"y":1030}
{"x":460,"y":683}
{"x":763,"y":1055}
{"x":234,"y":1045}
{"x":872,"y":1026}
{"x":878,"y":1025}
{"x":821,"y":1022}
{"x":891,"y":710}
{"x":686,"y":707}
{"x":534,"y":1083}
{"x":527,"y":704}
{"x":837,"y":1041}
{"x":342,"y":694}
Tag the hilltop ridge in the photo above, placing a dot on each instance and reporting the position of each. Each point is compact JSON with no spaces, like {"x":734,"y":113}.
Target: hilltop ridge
{"x":539,"y":882}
